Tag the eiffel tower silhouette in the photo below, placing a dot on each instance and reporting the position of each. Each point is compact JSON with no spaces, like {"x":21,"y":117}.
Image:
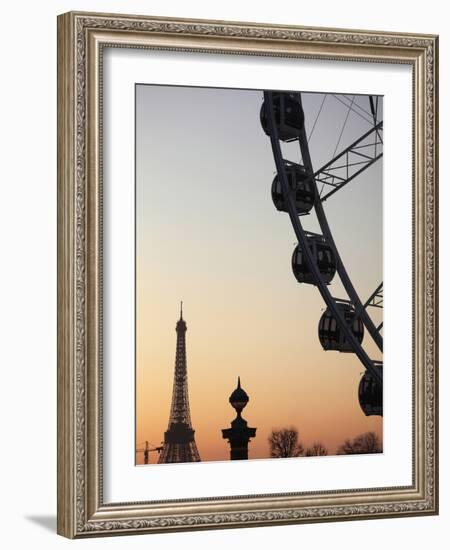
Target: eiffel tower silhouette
{"x":179,"y":443}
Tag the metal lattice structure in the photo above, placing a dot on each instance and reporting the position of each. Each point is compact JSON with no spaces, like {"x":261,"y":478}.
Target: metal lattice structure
{"x":179,"y":442}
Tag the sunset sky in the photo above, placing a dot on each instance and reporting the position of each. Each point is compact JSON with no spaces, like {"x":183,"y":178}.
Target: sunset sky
{"x":207,"y":233}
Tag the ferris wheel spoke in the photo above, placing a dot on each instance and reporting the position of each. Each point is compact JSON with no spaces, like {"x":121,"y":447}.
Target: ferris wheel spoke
{"x":317,"y":116}
{"x":343,"y":126}
{"x":369,"y":113}
{"x":362,"y":113}
{"x":374,"y":111}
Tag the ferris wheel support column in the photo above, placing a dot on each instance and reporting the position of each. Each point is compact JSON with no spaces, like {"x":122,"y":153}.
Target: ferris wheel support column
{"x":300,"y":234}
{"x":323,"y":222}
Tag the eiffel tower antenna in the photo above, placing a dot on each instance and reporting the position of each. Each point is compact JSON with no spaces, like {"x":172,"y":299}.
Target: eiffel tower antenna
{"x":179,"y":442}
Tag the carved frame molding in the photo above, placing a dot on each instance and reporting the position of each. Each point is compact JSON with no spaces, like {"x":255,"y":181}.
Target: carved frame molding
{"x":81,"y":38}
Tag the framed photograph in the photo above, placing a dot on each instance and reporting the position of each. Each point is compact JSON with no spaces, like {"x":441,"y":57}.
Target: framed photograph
{"x":247,"y":274}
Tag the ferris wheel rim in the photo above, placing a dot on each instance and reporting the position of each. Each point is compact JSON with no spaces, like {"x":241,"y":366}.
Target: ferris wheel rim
{"x":330,"y":301}
{"x":340,"y":267}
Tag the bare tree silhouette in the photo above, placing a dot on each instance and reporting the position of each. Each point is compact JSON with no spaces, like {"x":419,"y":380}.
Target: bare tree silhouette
{"x":365,"y":443}
{"x":316,"y":449}
{"x":284,"y":443}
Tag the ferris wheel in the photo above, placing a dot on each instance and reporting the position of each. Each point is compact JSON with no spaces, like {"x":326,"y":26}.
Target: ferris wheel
{"x":316,"y":259}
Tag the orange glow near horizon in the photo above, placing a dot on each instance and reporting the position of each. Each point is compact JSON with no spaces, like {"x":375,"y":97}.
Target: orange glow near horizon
{"x":312,"y":397}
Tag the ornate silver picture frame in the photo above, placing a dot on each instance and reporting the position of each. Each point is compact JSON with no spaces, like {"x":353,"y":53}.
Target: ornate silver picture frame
{"x":83,"y":39}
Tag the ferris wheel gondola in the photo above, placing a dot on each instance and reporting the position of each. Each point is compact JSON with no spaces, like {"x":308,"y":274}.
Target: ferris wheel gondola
{"x":323,"y":257}
{"x":300,"y":185}
{"x":288,"y":115}
{"x":370,"y":394}
{"x":331,"y":335}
